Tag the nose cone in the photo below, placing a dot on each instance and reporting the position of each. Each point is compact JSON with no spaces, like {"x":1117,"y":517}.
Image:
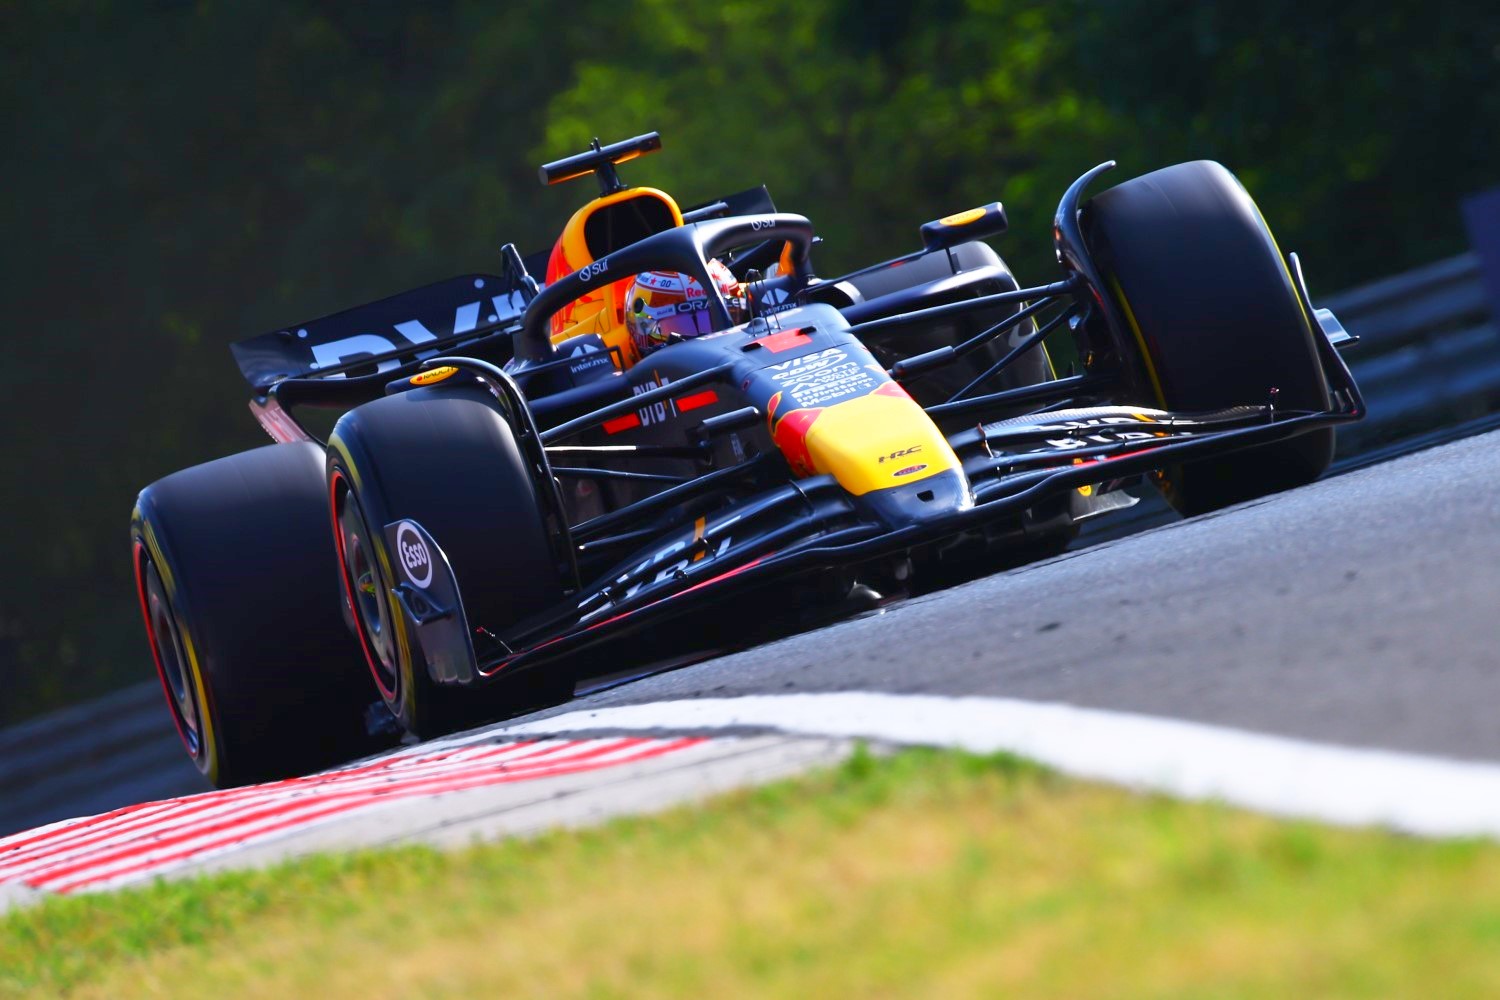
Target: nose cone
{"x":935,"y":496}
{"x":882,"y":442}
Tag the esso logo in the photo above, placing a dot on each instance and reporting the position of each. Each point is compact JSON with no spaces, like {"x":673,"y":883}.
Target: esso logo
{"x":756,"y":225}
{"x":593,"y":270}
{"x":415,"y":557}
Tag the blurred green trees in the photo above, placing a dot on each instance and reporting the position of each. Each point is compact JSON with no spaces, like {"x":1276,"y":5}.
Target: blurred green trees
{"x":180,"y":175}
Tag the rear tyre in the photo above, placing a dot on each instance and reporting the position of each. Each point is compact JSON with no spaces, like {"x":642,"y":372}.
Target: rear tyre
{"x":1210,"y":303}
{"x":447,"y":459}
{"x":234,"y":572}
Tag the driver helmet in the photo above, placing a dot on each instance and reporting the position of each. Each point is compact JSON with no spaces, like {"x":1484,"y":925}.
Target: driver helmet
{"x":663,"y":305}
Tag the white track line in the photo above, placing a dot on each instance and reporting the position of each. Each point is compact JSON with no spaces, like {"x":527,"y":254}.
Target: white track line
{"x":1433,"y":796}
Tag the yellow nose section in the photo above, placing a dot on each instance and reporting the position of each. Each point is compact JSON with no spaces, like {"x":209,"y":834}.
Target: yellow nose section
{"x":878,"y":441}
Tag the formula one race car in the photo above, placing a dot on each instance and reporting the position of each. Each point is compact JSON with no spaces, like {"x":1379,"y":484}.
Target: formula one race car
{"x":683,"y":430}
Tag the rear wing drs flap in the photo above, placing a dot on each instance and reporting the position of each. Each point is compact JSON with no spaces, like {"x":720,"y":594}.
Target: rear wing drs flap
{"x":382,"y":335}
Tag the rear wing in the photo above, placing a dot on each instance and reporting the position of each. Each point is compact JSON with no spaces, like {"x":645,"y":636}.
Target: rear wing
{"x":383,"y":335}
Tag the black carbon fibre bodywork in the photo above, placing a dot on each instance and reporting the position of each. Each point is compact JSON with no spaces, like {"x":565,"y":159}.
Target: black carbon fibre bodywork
{"x":690,"y":477}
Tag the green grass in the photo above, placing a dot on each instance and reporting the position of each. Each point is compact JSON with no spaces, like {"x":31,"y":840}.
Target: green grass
{"x":925,"y":874}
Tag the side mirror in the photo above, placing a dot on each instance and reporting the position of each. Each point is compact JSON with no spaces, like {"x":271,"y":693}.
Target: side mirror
{"x":975,"y":224}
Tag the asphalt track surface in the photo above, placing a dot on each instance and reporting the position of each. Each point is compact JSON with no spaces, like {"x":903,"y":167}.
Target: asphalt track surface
{"x":1362,"y":610}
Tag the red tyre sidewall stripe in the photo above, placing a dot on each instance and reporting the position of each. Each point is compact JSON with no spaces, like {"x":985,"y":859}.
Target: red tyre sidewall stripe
{"x":161,"y":672}
{"x":359,"y":623}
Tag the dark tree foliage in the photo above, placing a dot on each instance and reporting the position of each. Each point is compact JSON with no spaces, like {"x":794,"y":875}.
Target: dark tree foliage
{"x":1358,"y":127}
{"x":180,"y":175}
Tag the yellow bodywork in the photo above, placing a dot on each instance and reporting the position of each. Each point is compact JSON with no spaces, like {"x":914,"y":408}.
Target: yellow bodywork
{"x":599,"y":311}
{"x":878,"y":441}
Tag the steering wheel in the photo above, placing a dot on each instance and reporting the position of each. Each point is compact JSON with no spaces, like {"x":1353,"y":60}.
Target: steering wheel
{"x":684,"y":248}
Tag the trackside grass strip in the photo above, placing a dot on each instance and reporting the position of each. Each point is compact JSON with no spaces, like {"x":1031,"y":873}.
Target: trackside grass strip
{"x":924,"y":874}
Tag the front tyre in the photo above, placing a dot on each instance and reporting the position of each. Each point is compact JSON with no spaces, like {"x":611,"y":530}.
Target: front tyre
{"x":234,"y":573}
{"x":447,"y":459}
{"x":1210,"y":304}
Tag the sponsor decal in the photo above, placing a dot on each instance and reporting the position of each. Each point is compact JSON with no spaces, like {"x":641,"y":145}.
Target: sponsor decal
{"x":826,"y":386}
{"x":660,"y":411}
{"x":593,"y":359}
{"x":588,"y":356}
{"x":1089,"y":440}
{"x":410,"y":332}
{"x":909,"y":470}
{"x":416,"y":558}
{"x":659,"y":279}
{"x":771,"y":412}
{"x":791,"y":437}
{"x":770,"y":301}
{"x":899,"y":454}
{"x":1105,"y":430}
{"x":799,"y":366}
{"x":756,"y":225}
{"x":767,"y":309}
{"x":433,"y":376}
{"x":671,"y":562}
{"x":594,"y":270}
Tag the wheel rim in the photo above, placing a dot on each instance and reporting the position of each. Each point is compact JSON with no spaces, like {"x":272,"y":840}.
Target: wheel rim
{"x":365,"y":590}
{"x":171,"y":657}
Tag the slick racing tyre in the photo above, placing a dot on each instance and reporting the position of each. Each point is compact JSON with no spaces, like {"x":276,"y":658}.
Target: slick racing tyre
{"x":234,"y":569}
{"x":447,"y":459}
{"x":1211,"y":307}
